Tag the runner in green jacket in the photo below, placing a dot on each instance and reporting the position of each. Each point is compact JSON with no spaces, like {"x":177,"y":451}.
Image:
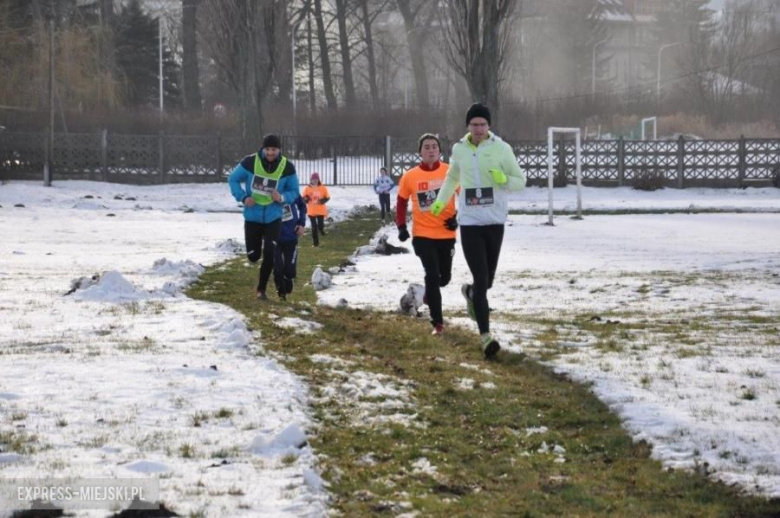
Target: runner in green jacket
{"x":486,"y":170}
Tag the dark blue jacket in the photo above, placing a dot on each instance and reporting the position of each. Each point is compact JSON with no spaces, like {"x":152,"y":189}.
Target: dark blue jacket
{"x":240,"y":181}
{"x":287,"y":233}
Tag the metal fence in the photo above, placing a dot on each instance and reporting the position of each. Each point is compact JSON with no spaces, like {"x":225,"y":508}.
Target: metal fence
{"x":145,"y":159}
{"x":679,"y":163}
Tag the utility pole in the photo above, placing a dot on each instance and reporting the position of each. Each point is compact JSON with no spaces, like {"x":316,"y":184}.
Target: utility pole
{"x":160,"y":49}
{"x":47,"y":168}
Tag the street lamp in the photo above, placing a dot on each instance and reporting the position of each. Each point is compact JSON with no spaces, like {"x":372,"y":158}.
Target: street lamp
{"x":658,"y":72}
{"x":593,"y":67}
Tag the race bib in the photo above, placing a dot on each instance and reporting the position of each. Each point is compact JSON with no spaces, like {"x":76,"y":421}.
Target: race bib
{"x":426,"y":198}
{"x":263,"y":185}
{"x":479,"y":196}
{"x":287,"y":214}
{"x":427,"y":192}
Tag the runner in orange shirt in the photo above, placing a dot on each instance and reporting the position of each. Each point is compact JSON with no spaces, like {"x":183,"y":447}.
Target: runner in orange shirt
{"x":316,"y":196}
{"x":434,"y":237}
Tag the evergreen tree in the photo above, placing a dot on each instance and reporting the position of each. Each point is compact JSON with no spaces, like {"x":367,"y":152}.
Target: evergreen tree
{"x":137,"y":59}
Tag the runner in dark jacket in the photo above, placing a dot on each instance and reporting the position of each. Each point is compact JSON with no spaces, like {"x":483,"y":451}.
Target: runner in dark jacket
{"x":286,"y":256}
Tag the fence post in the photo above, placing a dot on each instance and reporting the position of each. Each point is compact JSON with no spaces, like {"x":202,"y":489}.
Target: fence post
{"x":335,"y":162}
{"x":104,"y":154}
{"x":161,"y":155}
{"x":219,"y":156}
{"x":621,"y":161}
{"x":47,"y":165}
{"x":742,"y":160}
{"x":389,"y":155}
{"x":681,"y":162}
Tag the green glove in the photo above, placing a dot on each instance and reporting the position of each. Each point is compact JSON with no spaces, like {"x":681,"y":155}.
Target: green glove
{"x":498,"y":176}
{"x":437,"y":207}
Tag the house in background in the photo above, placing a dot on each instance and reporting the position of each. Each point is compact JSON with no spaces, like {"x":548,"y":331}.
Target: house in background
{"x":631,"y":45}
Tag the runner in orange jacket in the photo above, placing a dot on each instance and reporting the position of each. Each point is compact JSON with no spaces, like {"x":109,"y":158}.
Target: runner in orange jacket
{"x":316,"y":196}
{"x":433,"y":237}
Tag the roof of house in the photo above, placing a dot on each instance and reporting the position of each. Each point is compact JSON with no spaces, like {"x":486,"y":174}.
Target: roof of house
{"x":624,"y":11}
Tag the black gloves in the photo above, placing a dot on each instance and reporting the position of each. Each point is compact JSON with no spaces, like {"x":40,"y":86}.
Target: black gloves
{"x":403,"y":234}
{"x":451,"y":223}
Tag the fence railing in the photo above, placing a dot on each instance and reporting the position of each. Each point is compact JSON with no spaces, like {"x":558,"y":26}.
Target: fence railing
{"x":146,"y":159}
{"x":679,"y":163}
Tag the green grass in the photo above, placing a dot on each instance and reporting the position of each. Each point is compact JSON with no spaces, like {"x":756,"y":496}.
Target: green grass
{"x":485,"y":463}
{"x":626,"y":212}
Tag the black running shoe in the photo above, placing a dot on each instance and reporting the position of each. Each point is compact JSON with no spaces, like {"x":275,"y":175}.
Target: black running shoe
{"x":490,"y":347}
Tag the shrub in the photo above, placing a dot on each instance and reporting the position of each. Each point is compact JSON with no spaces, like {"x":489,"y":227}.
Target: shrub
{"x":649,"y":179}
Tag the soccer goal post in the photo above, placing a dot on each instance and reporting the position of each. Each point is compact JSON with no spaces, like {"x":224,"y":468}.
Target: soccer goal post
{"x":654,"y":120}
{"x":578,"y":164}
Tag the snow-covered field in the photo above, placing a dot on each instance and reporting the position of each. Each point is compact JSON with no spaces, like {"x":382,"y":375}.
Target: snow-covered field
{"x":690,"y":305}
{"x":129,"y":378}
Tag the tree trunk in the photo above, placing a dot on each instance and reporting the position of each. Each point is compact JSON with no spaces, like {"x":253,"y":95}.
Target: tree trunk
{"x":190,"y":75}
{"x":370,"y":55}
{"x":283,"y":72}
{"x":491,"y":21}
{"x":312,"y":91}
{"x":479,"y":55}
{"x":415,"y":40}
{"x":346,"y":59}
{"x":263,"y":49}
{"x":327,"y":81}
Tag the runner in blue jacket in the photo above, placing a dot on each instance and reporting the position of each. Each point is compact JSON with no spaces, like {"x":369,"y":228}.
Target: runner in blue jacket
{"x":286,"y":257}
{"x":264,"y":182}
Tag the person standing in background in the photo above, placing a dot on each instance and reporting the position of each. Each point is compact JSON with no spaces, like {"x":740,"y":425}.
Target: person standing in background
{"x":316,"y":196}
{"x":486,"y":170}
{"x":382,"y":186}
{"x":263,"y":183}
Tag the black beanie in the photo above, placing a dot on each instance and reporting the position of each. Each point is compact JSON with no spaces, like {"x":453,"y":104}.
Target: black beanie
{"x":478,"y":110}
{"x":272,"y":140}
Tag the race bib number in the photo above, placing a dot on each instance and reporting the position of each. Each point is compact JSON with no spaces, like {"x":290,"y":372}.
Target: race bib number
{"x":426,"y":198}
{"x":479,"y":197}
{"x":264,"y":185}
{"x":287,"y":214}
{"x":427,"y":191}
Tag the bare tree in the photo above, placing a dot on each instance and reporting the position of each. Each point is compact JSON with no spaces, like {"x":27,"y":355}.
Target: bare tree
{"x":327,"y":81}
{"x":476,"y":43}
{"x":718,"y":65}
{"x":241,"y":37}
{"x":366,"y":20}
{"x":190,"y":73}
{"x":418,"y":16}
{"x":342,"y":8}
{"x":310,"y":59}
